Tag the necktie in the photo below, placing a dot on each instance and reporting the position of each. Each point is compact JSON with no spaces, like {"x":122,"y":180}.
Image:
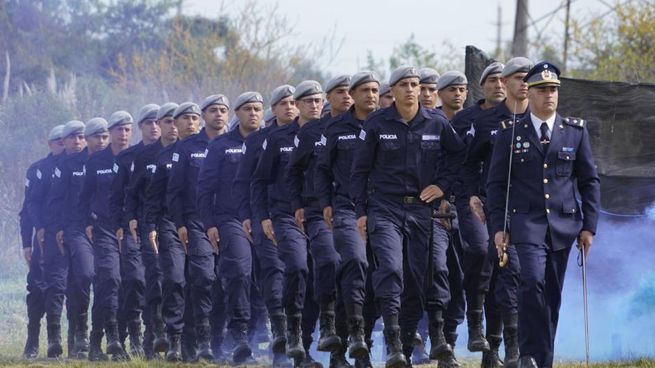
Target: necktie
{"x":544,"y":136}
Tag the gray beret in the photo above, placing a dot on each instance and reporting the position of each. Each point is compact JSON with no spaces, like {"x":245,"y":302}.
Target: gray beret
{"x":281,"y":92}
{"x":518,"y":64}
{"x":493,"y":68}
{"x":248,"y":97}
{"x":119,"y":118}
{"x":307,"y":88}
{"x":95,"y":125}
{"x":148,"y":111}
{"x":56,"y":133}
{"x":72,"y":127}
{"x":166,"y":110}
{"x":218,"y":99}
{"x":402,"y":72}
{"x":186,"y":108}
{"x":363,"y":77}
{"x":451,"y":78}
{"x":338,"y":81}
{"x":428,"y":76}
{"x":384,"y":89}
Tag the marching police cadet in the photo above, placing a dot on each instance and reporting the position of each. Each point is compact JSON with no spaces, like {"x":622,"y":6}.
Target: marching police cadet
{"x":336,"y":93}
{"x":132,"y":289}
{"x":94,"y":208}
{"x":493,"y":92}
{"x":501,"y":301}
{"x":96,"y":135}
{"x":134,"y":213}
{"x":333,"y":170}
{"x":397,"y":173}
{"x":66,"y":245}
{"x":428,"y":78}
{"x":386,"y":98}
{"x":269,"y":179}
{"x":218,"y":210}
{"x":452,"y":90}
{"x":37,"y":180}
{"x":551,"y":160}
{"x":182,"y":206}
{"x":271,"y":266}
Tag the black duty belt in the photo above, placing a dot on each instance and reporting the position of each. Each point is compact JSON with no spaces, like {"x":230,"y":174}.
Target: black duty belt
{"x":405,"y":199}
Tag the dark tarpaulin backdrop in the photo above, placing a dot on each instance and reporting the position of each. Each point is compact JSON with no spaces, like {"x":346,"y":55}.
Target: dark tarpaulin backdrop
{"x":621,"y":122}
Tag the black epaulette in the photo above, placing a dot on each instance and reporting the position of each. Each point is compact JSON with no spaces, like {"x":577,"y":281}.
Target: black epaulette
{"x":506,"y":124}
{"x":576,"y":122}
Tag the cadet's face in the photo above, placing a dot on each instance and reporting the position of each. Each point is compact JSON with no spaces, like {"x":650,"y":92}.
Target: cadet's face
{"x":339,"y":99}
{"x":56,"y":146}
{"x":187,"y":124}
{"x":150,"y":130}
{"x":310,"y":107}
{"x":366,"y":96}
{"x":406,"y":91}
{"x":98,"y":142}
{"x":215,"y":116}
{"x":168,"y":129}
{"x":429,"y":96}
{"x":543,"y":100}
{"x":453,"y":97}
{"x":285,"y":110}
{"x":250,"y":116}
{"x":515,"y":86}
{"x":493,"y":89}
{"x":386,"y":100}
{"x":121,"y":135}
{"x":74,"y":143}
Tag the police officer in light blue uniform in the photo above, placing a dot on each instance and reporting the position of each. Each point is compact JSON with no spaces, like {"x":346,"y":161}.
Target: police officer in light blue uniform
{"x":266,"y":253}
{"x":397,"y":173}
{"x":218,"y":209}
{"x":37,"y":182}
{"x":554,"y":201}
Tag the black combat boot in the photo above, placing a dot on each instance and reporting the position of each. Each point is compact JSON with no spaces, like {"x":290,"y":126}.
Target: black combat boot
{"x":278,"y":330}
{"x":511,"y":335}
{"x":490,"y":359}
{"x":242,"y":352}
{"x":134,"y":332}
{"x":440,"y":349}
{"x":203,"y":337}
{"x":148,"y":350}
{"x":328,"y":341}
{"x":81,"y":337}
{"x":450,"y":361}
{"x":95,"y":347}
{"x":294,"y":347}
{"x":31,"y":350}
{"x":476,"y":342}
{"x":338,"y":358}
{"x":174,"y":353}
{"x":54,"y":339}
{"x":395,"y":357}
{"x":114,"y":346}
{"x":160,"y":342}
{"x":357,"y":348}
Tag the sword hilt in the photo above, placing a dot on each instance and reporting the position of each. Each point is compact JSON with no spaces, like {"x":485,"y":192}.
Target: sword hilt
{"x":503,"y":258}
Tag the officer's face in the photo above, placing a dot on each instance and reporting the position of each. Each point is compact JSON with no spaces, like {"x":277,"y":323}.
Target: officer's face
{"x":493,"y":89}
{"x":429,"y":96}
{"x":121,"y":135}
{"x":339,"y":99}
{"x":285,"y":110}
{"x":168,"y":129}
{"x":543,"y":100}
{"x":215,"y":116}
{"x":406,"y":91}
{"x":97,"y":142}
{"x":515,"y":86}
{"x":310,"y":107}
{"x":74,"y":143}
{"x":386,"y":100}
{"x":56,"y":146}
{"x":250,"y":115}
{"x":366,"y":96}
{"x":149,"y":130}
{"x":453,"y":97}
{"x":187,"y":124}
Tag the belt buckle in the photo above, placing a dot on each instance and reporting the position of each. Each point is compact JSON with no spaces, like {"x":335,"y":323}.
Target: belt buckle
{"x":409,"y":200}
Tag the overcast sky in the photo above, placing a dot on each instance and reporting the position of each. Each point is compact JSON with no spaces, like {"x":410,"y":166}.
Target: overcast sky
{"x":379,"y":25}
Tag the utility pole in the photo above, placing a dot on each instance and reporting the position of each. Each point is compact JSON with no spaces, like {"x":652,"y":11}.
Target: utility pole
{"x":520,"y":41}
{"x":566,"y":35}
{"x":499,"y":25}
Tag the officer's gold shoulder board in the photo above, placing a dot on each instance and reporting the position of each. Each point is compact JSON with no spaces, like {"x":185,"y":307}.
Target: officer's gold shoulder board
{"x":506,"y":124}
{"x":576,"y":122}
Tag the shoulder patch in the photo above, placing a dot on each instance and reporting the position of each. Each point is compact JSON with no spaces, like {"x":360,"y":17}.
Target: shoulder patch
{"x":243,"y":148}
{"x":506,"y":124}
{"x":264,"y":144}
{"x":115,"y":168}
{"x":38,"y":174}
{"x":176,"y":157}
{"x":362,"y":134}
{"x":296,"y":141}
{"x":576,"y":122}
